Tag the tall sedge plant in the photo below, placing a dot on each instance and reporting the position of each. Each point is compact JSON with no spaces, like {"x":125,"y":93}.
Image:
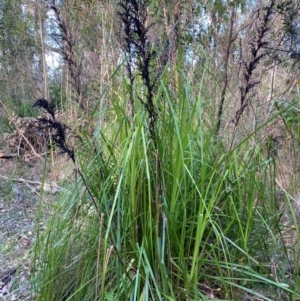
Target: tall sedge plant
{"x":160,"y":211}
{"x":213,"y":235}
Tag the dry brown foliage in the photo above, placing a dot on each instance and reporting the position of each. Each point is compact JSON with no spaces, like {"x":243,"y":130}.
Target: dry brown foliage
{"x":27,"y":140}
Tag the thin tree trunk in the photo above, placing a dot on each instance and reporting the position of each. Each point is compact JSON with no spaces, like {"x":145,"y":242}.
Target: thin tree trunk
{"x":225,"y":71}
{"x":43,"y":55}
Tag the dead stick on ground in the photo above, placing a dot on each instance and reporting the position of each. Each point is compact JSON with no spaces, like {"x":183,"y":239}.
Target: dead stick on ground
{"x":29,"y":182}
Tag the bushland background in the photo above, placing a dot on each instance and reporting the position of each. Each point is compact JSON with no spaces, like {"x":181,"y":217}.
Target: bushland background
{"x":158,"y":142}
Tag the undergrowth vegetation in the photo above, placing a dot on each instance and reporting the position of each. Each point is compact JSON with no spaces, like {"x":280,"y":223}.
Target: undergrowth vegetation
{"x":180,"y":121}
{"x":179,"y":219}
{"x":162,"y":206}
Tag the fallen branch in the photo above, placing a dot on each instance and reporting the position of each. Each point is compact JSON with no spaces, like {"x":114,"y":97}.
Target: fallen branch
{"x":46,"y":187}
{"x":3,"y":156}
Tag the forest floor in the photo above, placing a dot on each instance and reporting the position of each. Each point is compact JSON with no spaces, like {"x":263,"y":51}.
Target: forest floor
{"x":23,"y":212}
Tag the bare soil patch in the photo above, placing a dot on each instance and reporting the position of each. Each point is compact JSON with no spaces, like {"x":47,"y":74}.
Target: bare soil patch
{"x":22,"y":212}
